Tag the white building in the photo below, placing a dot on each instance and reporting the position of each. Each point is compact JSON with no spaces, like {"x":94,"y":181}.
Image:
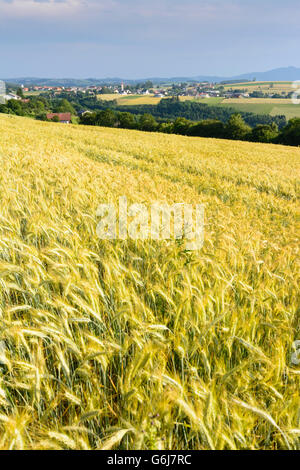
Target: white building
{"x":11,"y":96}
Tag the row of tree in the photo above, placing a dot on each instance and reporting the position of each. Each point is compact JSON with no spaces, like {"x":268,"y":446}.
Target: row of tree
{"x":37,"y":107}
{"x":235,"y":128}
{"x":172,"y":108}
{"x":220,"y":123}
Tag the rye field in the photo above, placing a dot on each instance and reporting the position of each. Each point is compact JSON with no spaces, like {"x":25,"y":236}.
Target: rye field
{"x":140,"y":344}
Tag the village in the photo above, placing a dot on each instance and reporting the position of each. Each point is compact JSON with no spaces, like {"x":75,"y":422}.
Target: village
{"x":60,"y":102}
{"x":197,"y":90}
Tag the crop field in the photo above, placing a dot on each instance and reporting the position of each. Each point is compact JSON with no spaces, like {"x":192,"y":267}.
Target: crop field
{"x":128,"y":344}
{"x":108,"y":97}
{"x":252,"y":105}
{"x":133,"y":100}
{"x":272,"y":87}
{"x":31,"y":93}
{"x":257,"y":101}
{"x":258,"y":105}
{"x":287,"y":108}
{"x":128,"y":100}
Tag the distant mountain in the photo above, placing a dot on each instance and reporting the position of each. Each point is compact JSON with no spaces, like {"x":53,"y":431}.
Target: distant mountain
{"x":288,"y":74}
{"x":67,"y":82}
{"x":70,"y":82}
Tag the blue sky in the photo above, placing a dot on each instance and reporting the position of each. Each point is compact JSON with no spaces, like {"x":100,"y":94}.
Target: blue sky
{"x":140,"y":38}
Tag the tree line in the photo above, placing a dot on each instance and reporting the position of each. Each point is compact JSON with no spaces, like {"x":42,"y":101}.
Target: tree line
{"x":172,"y":108}
{"x":169,"y":116}
{"x":234,"y":129}
{"x":166,"y":110}
{"x":37,"y":107}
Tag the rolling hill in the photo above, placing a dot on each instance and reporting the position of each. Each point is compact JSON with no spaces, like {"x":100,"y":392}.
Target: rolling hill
{"x":279,"y":74}
{"x":140,"y":344}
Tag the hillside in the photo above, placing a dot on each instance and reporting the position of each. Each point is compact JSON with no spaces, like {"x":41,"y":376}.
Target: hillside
{"x":140,"y":344}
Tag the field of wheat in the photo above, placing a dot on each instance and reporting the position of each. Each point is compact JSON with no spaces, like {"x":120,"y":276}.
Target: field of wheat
{"x":140,"y":344}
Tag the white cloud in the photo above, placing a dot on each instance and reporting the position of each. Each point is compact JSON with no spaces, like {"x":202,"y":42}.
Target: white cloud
{"x":66,"y":9}
{"x":166,"y":19}
{"x":159,"y":9}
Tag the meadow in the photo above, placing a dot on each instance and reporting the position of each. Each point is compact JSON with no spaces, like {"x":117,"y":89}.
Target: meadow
{"x":257,"y":101}
{"x":140,"y":344}
{"x":270,"y":106}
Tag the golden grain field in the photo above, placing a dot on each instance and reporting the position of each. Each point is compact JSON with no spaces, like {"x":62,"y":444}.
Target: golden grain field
{"x":133,"y":100}
{"x":140,"y":344}
{"x":130,"y":100}
{"x":108,"y":97}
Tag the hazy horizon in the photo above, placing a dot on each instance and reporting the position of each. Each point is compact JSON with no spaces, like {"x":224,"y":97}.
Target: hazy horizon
{"x":135,"y":39}
{"x":56,"y":77}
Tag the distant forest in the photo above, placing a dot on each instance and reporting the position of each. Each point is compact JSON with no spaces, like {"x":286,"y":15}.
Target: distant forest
{"x":172,"y":108}
{"x":235,"y":128}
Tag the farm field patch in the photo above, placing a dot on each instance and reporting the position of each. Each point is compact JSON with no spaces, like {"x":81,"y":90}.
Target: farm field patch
{"x":140,"y":344}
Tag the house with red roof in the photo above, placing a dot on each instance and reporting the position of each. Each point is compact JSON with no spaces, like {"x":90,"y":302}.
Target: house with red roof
{"x":64,"y":118}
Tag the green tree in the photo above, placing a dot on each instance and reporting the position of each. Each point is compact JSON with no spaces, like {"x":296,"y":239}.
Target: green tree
{"x":16,"y":107}
{"x":105,"y":91}
{"x":65,"y":106}
{"x":290,"y":134}
{"x":264,"y":133}
{"x":106,"y":118}
{"x":181,"y":126}
{"x":4,"y":109}
{"x":148,"y":84}
{"x":166,"y":127}
{"x":147,"y":123}
{"x":236,"y":128}
{"x":20,"y":93}
{"x":208,"y":128}
{"x":41,"y":117}
{"x":126,"y":121}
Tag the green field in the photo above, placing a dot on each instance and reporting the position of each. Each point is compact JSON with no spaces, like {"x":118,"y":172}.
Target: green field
{"x":31,"y":93}
{"x":289,"y":110}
